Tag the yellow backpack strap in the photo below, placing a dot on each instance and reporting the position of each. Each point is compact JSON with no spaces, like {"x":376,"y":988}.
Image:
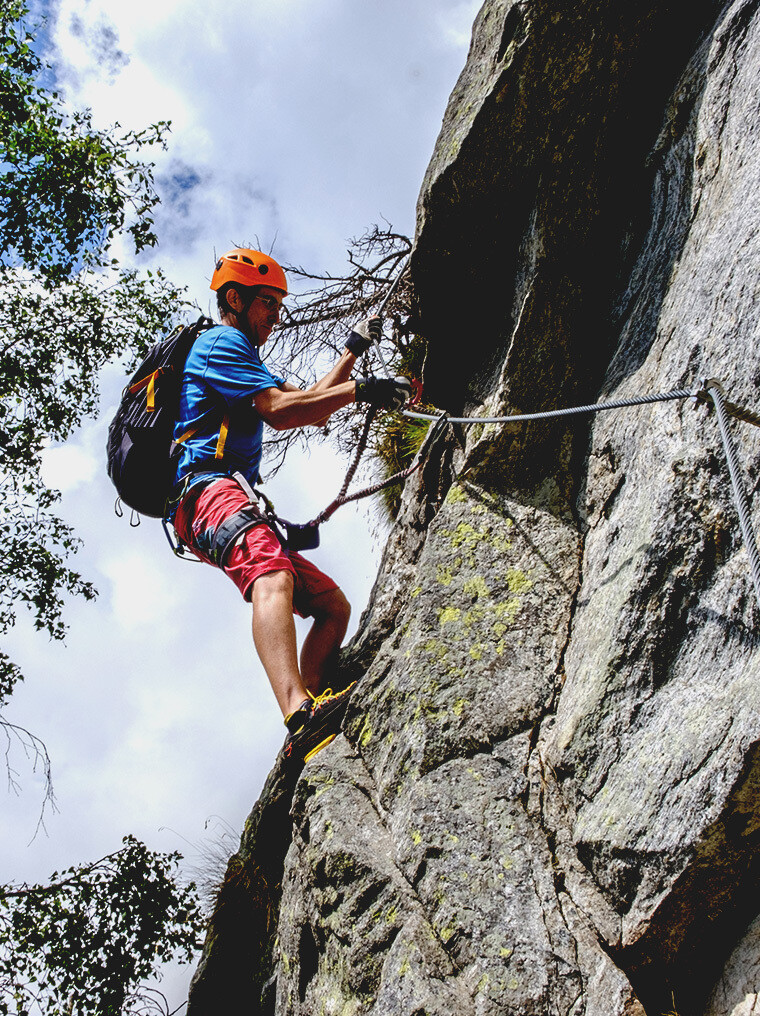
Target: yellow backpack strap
{"x":188,"y":434}
{"x":223,"y":431}
{"x":148,"y":382}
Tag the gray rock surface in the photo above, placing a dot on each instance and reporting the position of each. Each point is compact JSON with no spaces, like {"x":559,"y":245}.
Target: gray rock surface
{"x":545,"y":800}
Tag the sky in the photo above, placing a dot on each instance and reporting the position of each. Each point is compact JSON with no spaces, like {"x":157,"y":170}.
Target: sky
{"x":296,"y":125}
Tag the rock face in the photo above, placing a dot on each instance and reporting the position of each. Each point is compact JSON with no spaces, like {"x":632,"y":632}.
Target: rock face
{"x":546,"y":798}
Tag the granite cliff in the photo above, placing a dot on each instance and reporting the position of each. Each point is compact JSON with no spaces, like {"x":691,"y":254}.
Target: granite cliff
{"x":545,"y":799}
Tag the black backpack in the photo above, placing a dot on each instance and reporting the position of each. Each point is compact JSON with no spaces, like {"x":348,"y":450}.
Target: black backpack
{"x":141,"y":459}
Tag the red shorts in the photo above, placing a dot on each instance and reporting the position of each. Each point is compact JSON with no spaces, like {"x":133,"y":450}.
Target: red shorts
{"x":255,"y":553}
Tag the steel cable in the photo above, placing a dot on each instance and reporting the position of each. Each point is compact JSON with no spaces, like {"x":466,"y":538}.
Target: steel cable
{"x":742,"y":504}
{"x":711,"y":388}
{"x":592,"y":407}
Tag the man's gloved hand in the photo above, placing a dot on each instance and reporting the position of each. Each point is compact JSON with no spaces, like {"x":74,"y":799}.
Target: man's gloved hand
{"x":386,"y":393}
{"x":363,"y":334}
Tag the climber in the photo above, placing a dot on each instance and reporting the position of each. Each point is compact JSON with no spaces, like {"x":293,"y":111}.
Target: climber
{"x":227,"y":396}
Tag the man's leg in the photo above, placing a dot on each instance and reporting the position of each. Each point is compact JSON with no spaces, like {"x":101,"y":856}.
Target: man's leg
{"x":331,"y":611}
{"x":274,"y":635}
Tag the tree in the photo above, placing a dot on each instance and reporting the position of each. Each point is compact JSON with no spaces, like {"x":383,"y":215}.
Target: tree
{"x":85,"y":943}
{"x":67,"y":191}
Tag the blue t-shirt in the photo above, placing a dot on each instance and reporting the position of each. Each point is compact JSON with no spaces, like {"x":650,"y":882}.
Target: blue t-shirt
{"x":222,"y":374}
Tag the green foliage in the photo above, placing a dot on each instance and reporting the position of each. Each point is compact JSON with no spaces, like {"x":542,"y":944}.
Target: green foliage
{"x":82,"y":945}
{"x":55,"y":344}
{"x":66,"y":191}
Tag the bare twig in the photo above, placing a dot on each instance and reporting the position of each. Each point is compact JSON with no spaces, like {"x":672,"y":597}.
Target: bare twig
{"x":317,"y":322}
{"x":35,"y":750}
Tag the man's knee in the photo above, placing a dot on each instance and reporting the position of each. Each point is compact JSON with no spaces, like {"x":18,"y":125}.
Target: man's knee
{"x":331,"y":605}
{"x":272,"y":584}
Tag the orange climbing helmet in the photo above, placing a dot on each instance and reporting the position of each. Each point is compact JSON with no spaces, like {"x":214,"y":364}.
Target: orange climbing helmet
{"x":249,"y":268}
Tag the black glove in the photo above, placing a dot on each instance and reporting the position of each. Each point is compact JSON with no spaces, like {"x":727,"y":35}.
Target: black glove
{"x":386,"y":393}
{"x":363,"y":334}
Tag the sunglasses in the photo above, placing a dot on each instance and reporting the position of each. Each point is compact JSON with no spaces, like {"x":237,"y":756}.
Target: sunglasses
{"x":270,"y":302}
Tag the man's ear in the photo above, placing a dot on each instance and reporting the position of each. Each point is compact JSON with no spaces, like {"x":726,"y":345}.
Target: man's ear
{"x":234,"y":299}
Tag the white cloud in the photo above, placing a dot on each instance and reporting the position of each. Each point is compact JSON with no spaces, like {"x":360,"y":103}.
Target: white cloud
{"x":143,"y":595}
{"x":307,"y":123}
{"x":68,"y":466}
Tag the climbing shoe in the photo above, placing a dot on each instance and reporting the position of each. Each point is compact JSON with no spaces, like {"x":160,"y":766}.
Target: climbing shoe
{"x":295,"y":720}
{"x":322,"y":724}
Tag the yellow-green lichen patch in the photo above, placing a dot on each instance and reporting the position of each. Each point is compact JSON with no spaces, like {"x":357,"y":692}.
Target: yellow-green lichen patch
{"x":436,"y":649}
{"x":458,"y":707}
{"x":365,"y":734}
{"x":446,"y":933}
{"x":501,"y":543}
{"x":449,"y":615}
{"x":518,"y":581}
{"x":476,"y":652}
{"x":476,"y":588}
{"x":415,"y":592}
{"x":322,"y":785}
{"x":455,"y":495}
{"x":476,"y":431}
{"x":512,"y":609}
{"x":507,"y":610}
{"x":483,"y":983}
{"x":505,"y":953}
{"x":392,"y":914}
{"x":416,"y":837}
{"x":443,"y":575}
{"x":466,"y":535}
{"x":475,"y":615}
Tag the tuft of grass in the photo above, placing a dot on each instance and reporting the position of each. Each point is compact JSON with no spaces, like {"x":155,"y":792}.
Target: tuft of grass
{"x":397,"y":440}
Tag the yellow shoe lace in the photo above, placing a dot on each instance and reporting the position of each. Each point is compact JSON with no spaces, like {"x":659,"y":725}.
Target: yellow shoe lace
{"x":318,"y":700}
{"x":328,"y":693}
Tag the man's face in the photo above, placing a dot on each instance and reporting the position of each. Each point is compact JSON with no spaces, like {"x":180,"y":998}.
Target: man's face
{"x":264,"y":313}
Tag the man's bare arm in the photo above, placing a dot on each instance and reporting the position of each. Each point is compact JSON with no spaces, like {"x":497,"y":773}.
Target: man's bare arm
{"x":289,"y":407}
{"x":340,"y":373}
